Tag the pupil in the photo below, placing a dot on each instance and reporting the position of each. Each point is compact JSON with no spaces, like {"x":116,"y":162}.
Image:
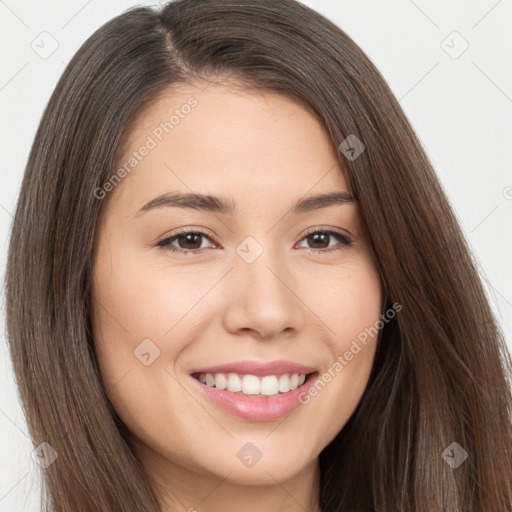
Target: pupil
{"x":188,"y":237}
{"x":316,"y":236}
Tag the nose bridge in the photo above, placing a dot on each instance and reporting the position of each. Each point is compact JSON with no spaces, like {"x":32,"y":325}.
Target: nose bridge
{"x":264,"y":301}
{"x":261,"y":275}
{"x":264,"y":263}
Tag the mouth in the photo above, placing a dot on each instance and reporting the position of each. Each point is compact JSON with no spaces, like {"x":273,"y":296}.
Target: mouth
{"x":255,"y":390}
{"x":255,"y":398}
{"x":254,"y":385}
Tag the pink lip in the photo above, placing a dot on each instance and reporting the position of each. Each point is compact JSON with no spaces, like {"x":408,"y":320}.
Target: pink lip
{"x":257,"y":368}
{"x":257,"y":408}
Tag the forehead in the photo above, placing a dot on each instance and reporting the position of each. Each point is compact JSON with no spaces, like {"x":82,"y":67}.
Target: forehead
{"x":209,"y":138}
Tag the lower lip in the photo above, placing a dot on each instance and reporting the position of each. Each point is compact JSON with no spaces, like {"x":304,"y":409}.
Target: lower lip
{"x":257,"y":408}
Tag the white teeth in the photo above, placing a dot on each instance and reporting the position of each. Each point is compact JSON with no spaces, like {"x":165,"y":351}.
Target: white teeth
{"x":234,"y":382}
{"x":268,"y":385}
{"x":251,"y":385}
{"x":284,"y":383}
{"x":220,"y":381}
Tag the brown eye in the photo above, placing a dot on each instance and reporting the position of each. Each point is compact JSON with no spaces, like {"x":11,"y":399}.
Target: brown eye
{"x":319,"y":240}
{"x":189,"y":242}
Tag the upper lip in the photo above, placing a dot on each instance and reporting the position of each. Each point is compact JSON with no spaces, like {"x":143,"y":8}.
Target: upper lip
{"x":258,"y":368}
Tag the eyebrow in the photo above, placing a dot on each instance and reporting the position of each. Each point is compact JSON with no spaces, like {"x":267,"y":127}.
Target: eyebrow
{"x":210,"y":203}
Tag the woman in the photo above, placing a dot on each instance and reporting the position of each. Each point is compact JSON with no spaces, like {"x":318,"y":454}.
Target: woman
{"x":260,"y":371}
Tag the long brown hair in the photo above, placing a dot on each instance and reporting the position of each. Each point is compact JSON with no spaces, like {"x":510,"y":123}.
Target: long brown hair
{"x":441,"y":372}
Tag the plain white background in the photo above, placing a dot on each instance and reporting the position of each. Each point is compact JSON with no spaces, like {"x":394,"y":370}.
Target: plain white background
{"x":458,"y":99}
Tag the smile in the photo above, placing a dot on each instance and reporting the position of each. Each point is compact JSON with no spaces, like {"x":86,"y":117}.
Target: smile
{"x":268,"y":385}
{"x":253,"y":390}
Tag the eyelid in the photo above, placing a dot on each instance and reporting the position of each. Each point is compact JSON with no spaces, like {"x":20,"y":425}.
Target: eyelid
{"x":345,"y":233}
{"x":184,"y":231}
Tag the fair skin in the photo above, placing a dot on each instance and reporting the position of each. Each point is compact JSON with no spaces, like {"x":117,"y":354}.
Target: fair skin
{"x":295,"y":301}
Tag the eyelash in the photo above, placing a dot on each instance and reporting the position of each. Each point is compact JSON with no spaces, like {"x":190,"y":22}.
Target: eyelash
{"x":165,"y":244}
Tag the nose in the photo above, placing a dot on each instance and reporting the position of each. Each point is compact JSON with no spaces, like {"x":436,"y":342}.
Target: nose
{"x":262,"y":298}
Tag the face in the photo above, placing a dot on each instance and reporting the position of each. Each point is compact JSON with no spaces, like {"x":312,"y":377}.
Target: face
{"x":259,"y":294}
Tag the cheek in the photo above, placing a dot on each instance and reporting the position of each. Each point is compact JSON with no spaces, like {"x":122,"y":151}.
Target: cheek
{"x":146,"y":300}
{"x":134,"y":307}
{"x":348,"y":300}
{"x":133,"y":312}
{"x":351,"y":306}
